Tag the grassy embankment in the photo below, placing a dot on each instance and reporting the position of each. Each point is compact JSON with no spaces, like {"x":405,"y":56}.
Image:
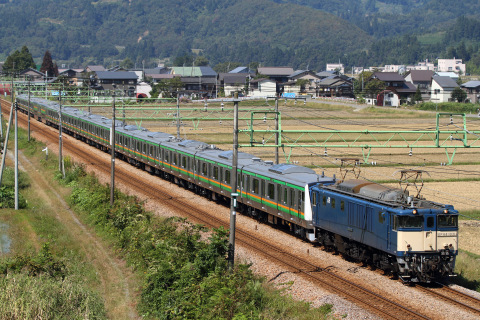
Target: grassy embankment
{"x":47,"y":274}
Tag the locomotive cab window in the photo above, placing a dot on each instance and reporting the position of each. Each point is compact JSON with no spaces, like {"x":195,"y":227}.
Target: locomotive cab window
{"x":408,"y":222}
{"x":447,"y":221}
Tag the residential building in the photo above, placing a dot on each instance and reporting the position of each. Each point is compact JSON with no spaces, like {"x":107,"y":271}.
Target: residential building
{"x":233,"y":82}
{"x":442,"y":88}
{"x":398,"y":68}
{"x":473,"y":91}
{"x":304,"y":75}
{"x":421,"y":79}
{"x":199,"y":82}
{"x":120,"y":80}
{"x":397,"y":90}
{"x":32,"y":74}
{"x":89,"y":69}
{"x":451,"y":65}
{"x":422,"y":65}
{"x":335,"y":86}
{"x":336,"y":67}
{"x":264,"y":87}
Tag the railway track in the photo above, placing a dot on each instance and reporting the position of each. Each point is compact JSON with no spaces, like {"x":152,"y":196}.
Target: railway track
{"x":452,"y":296}
{"x":351,"y":291}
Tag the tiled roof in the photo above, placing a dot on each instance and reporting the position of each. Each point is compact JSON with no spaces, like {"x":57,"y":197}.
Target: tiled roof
{"x":445,"y":82}
{"x":111,"y":75}
{"x":421,"y":75}
{"x":471,"y":84}
{"x":275,"y":71}
{"x":96,"y":68}
{"x":388,"y":76}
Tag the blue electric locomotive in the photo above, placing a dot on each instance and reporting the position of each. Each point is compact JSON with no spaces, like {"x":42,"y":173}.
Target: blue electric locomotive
{"x":414,"y":238}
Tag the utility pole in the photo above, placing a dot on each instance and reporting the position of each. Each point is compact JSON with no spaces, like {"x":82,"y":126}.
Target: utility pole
{"x":112,"y":149}
{"x":178,"y":118}
{"x":29,"y":110}
{"x":15,"y":105}
{"x":277,"y":134}
{"x":234,"y":194}
{"x":60,"y":143}
{"x":2,"y":167}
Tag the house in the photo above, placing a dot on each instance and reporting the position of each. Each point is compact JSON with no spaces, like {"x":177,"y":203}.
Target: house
{"x":422,"y":65}
{"x":421,"y":79}
{"x":308,"y":82}
{"x":121,"y":80}
{"x":277,"y":74}
{"x":233,"y":82}
{"x":397,"y":90}
{"x":335,"y":86}
{"x":472,"y":88}
{"x":90,"y":69}
{"x":338,"y":68}
{"x":199,"y":82}
{"x":398,"y":68}
{"x":263,"y":87}
{"x":73,"y":75}
{"x":451,"y":65}
{"x":325,"y":74}
{"x":242,"y":70}
{"x":452,"y":75}
{"x":442,"y":88}
{"x":32,"y":74}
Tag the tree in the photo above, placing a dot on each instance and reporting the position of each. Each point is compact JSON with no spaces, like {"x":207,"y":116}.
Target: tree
{"x":127,"y":63}
{"x":458,"y":94}
{"x":48,"y":66}
{"x":22,"y":59}
{"x":374,"y":87}
{"x":201,"y":61}
{"x":418,"y":95}
{"x":167,"y":87}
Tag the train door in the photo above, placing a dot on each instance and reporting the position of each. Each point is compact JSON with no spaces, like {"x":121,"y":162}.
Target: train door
{"x":430,"y":233}
{"x":391,"y":231}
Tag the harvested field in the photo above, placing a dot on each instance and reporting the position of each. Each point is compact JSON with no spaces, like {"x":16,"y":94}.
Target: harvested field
{"x":455,"y":184}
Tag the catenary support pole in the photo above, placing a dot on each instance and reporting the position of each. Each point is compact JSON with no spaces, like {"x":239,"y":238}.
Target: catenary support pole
{"x":276,"y":130}
{"x":29,"y":106}
{"x":60,"y":142}
{"x":15,"y":105}
{"x":178,"y":118}
{"x":234,"y":194}
{"x":6,"y":141}
{"x":112,"y":150}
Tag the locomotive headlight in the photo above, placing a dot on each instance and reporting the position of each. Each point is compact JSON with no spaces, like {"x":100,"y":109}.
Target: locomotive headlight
{"x":414,"y":211}
{"x":445,"y":211}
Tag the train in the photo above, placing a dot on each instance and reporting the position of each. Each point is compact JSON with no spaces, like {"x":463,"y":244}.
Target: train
{"x":408,"y":236}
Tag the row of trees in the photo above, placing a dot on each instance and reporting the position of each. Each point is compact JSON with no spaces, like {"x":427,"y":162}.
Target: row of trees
{"x":22,"y":60}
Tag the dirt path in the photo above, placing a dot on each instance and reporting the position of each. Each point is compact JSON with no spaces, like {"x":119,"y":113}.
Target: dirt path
{"x":117,"y":282}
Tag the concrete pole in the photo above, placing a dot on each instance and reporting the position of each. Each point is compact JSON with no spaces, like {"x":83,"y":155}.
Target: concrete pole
{"x":29,"y":110}
{"x":277,"y":134}
{"x":178,"y":118}
{"x":234,"y":194}
{"x":112,"y":150}
{"x":6,"y":142}
{"x":60,"y":142}
{"x":16,"y":154}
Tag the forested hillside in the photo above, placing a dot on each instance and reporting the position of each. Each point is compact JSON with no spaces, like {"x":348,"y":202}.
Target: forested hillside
{"x":298,"y":33}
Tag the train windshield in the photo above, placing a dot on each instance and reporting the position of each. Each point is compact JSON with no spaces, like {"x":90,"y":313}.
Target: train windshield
{"x":447,"y":221}
{"x":409,"y":221}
